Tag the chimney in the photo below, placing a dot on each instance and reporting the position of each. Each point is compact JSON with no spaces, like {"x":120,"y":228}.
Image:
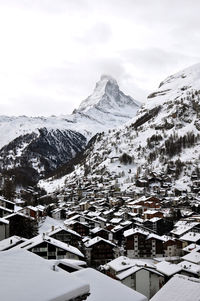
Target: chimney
{"x":43,"y":235}
{"x":52,"y":228}
{"x":11,"y":241}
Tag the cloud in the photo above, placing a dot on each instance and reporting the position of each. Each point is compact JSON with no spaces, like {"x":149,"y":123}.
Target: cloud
{"x":50,"y":6}
{"x":98,"y":33}
{"x":55,"y":51}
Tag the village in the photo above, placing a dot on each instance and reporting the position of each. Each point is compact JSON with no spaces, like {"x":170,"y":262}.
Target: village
{"x":146,"y":238}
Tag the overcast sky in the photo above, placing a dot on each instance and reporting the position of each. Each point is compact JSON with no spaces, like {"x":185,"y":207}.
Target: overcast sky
{"x":52,"y":52}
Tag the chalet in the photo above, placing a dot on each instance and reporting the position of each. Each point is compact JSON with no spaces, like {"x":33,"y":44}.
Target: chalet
{"x":59,"y":213}
{"x":141,"y":243}
{"x":99,"y":250}
{"x":50,"y":248}
{"x":156,"y":243}
{"x":100,"y":232}
{"x":144,"y":280}
{"x":155,"y":224}
{"x":135,"y":243}
{"x":171,"y":246}
{"x":82,"y":229}
{"x":67,"y":236}
{"x":118,"y":231}
{"x":123,"y":263}
{"x":21,"y":224}
{"x":90,"y":221}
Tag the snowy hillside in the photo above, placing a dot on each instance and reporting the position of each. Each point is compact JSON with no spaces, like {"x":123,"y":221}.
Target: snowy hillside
{"x":162,"y":141}
{"x":44,"y":144}
{"x":43,"y":151}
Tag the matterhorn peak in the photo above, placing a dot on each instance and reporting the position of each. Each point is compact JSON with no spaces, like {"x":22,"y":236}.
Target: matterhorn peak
{"x":106,"y":77}
{"x":106,"y":97}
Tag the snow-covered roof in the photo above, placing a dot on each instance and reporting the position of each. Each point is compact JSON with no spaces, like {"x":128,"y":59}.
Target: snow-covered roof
{"x":71,"y":263}
{"x":6,"y":209}
{"x":5,"y":200}
{"x":179,"y":288}
{"x":128,"y":272}
{"x":134,"y":231}
{"x":133,"y":270}
{"x":116,"y":220}
{"x":154,"y":219}
{"x":192,"y":257}
{"x":46,"y":225}
{"x":155,"y":236}
{"x":26,"y":276}
{"x":33,"y":208}
{"x":122,"y":263}
{"x":10,"y":242}
{"x":190,"y":267}
{"x":4,"y":221}
{"x":96,"y":230}
{"x":191,"y":236}
{"x":192,"y":247}
{"x":97,"y":239}
{"x":18,"y":214}
{"x":116,"y":228}
{"x":105,"y":288}
{"x":183,"y":228}
{"x":168,"y":268}
{"x":29,"y":244}
{"x":57,"y":230}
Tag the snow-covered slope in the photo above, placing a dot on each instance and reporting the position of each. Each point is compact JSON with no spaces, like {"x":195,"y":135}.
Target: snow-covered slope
{"x":46,"y":143}
{"x":42,"y":151}
{"x":163,"y":140}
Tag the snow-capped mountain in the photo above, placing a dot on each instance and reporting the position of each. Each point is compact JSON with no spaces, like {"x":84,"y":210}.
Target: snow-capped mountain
{"x":46,"y":143}
{"x":162,"y":140}
{"x":108,"y":102}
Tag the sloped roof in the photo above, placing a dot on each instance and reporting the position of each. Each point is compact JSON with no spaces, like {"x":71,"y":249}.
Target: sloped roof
{"x":26,"y":276}
{"x":179,"y":288}
{"x":105,"y":288}
{"x":35,"y":241}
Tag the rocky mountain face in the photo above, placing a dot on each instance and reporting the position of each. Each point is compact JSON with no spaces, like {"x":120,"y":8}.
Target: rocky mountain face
{"x":161,"y":142}
{"x":41,"y":152}
{"x":43,"y":144}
